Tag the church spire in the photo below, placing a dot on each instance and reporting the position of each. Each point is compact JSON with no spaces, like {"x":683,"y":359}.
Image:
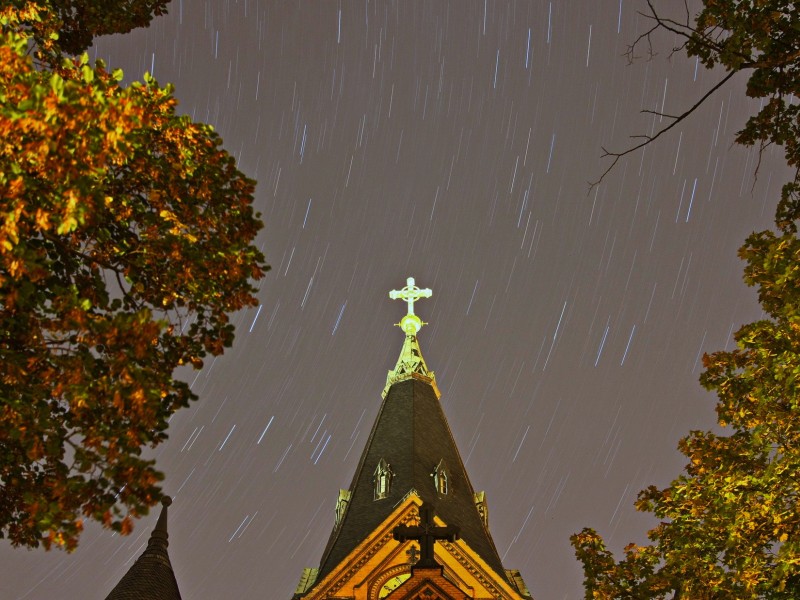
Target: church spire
{"x":151,"y":577}
{"x":410,"y":458}
{"x":410,"y":364}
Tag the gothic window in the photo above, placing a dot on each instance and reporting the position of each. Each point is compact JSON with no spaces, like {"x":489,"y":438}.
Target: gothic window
{"x":341,"y":505}
{"x":441,"y":478}
{"x":441,"y":483}
{"x":382,"y":479}
{"x":483,"y":509}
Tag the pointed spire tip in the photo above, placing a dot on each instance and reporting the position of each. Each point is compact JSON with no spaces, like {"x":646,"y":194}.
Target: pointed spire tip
{"x":160,"y":530}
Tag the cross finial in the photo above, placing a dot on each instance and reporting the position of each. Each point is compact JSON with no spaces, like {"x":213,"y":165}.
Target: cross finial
{"x":411,"y":323}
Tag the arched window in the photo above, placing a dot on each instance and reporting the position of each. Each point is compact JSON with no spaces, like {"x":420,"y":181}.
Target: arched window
{"x":441,"y":478}
{"x":382,"y":479}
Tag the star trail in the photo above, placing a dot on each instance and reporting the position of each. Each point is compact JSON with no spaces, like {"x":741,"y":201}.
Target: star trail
{"x":453,"y":142}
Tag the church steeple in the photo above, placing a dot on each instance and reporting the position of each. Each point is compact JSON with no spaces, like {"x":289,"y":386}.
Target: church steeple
{"x":410,"y":460}
{"x":151,"y":577}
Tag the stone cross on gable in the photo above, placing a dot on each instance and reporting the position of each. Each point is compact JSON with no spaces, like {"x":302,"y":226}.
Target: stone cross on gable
{"x":411,"y":323}
{"x":426,"y":533}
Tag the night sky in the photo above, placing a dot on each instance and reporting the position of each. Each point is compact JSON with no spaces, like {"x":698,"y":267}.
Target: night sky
{"x":452,"y":142}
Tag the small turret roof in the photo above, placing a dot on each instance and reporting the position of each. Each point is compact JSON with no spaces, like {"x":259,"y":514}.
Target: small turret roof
{"x":151,"y":577}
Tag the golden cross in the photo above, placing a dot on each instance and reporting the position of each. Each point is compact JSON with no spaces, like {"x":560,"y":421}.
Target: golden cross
{"x":410,"y":294}
{"x":411,"y":323}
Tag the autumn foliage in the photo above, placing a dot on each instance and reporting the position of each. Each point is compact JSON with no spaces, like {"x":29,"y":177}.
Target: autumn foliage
{"x":125,"y":240}
{"x":730,"y":523}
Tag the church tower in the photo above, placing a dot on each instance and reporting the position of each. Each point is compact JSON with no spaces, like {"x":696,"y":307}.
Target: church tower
{"x":410,"y":525}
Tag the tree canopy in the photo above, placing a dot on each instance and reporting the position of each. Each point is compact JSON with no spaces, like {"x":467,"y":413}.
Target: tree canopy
{"x":730,"y":523}
{"x":126,"y":238}
{"x":69,"y":26}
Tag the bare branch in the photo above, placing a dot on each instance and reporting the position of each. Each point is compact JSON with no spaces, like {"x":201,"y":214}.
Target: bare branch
{"x":651,"y":138}
{"x":658,"y":114}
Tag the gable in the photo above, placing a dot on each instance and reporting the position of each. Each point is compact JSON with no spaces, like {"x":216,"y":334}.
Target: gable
{"x":379,"y":564}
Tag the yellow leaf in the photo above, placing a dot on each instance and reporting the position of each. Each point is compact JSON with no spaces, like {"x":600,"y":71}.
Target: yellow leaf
{"x":42,"y":219}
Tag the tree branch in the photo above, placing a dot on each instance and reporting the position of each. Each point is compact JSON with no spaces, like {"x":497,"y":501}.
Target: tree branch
{"x":651,"y":138}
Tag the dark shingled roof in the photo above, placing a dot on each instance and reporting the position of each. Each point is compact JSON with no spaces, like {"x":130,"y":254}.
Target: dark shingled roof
{"x":412,"y":435}
{"x":151,"y":576}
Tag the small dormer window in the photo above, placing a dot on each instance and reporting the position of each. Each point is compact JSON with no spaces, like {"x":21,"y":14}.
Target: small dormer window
{"x":341,"y":505}
{"x":441,"y":478}
{"x":382,"y":479}
{"x":483,"y":509}
{"x":441,"y":483}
